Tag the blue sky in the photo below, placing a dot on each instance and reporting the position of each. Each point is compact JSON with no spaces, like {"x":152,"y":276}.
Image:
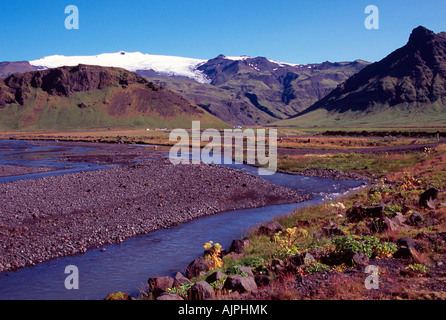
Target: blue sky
{"x":283,"y":30}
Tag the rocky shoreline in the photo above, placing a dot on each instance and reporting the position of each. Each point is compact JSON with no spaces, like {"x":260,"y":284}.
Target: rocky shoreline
{"x":51,"y":217}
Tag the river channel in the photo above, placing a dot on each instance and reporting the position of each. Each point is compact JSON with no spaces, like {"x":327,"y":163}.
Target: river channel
{"x":127,"y":266}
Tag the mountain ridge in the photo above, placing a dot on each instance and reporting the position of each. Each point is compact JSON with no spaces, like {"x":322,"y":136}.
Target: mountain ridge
{"x":86,"y":97}
{"x":408,"y":85}
{"x":239,"y":90}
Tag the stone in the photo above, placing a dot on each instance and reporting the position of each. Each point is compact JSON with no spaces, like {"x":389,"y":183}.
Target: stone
{"x":197,"y":267}
{"x":360,"y":259}
{"x":215,"y":276}
{"x":406,"y":242}
{"x":404,"y":253}
{"x":246,"y":270}
{"x":333,"y":230}
{"x":301,"y":259}
{"x":406,"y":248}
{"x":278,"y":266}
{"x":238,"y":246}
{"x":169,"y":296}
{"x":82,"y":106}
{"x":359,"y":213}
{"x":262,"y":280}
{"x":270,"y":228}
{"x":239,"y":283}
{"x":382,"y":225}
{"x":428,"y":196}
{"x":179,"y":280}
{"x":158,"y":285}
{"x":399,"y":219}
{"x":201,"y":291}
{"x":416,"y":218}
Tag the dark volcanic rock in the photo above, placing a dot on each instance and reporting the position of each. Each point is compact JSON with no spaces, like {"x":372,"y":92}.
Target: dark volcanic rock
{"x":238,"y":245}
{"x":358,"y":213}
{"x":428,"y":196}
{"x":159,"y":285}
{"x":179,"y":280}
{"x":215,"y":276}
{"x":406,"y":248}
{"x":201,"y":291}
{"x":416,"y":218}
{"x":360,"y":259}
{"x":198,"y":266}
{"x":239,"y":283}
{"x":270,"y":228}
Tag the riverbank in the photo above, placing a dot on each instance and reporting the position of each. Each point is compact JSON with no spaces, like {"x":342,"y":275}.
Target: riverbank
{"x":385,"y":242}
{"x":52,"y":217}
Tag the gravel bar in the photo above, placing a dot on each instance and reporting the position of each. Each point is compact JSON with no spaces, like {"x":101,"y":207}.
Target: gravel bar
{"x":51,"y":217}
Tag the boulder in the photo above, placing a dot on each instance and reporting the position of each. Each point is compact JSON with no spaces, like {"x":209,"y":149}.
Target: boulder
{"x":406,"y":248}
{"x":197,"y":267}
{"x":416,"y":218}
{"x":201,"y":291}
{"x":240,"y":284}
{"x":399,"y":219}
{"x":428,"y":196}
{"x":360,"y":259}
{"x":215,"y":276}
{"x":262,"y":280}
{"x":246,"y":270}
{"x":333,"y":230}
{"x":278,"y":266}
{"x":270,"y":228}
{"x":382,"y":225}
{"x":406,"y":242}
{"x":359,"y":213}
{"x":238,"y":246}
{"x":301,"y":259}
{"x":179,"y":280}
{"x":404,"y":253}
{"x":159,"y":285}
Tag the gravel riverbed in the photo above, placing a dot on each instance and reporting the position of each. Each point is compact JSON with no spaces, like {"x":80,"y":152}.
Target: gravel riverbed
{"x":51,"y":217}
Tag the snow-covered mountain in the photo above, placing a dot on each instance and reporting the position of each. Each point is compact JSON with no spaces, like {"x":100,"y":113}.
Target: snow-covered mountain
{"x":137,"y":61}
{"x":239,"y":90}
{"x":132,"y":61}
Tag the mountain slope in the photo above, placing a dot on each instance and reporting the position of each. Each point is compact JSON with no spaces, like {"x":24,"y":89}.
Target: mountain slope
{"x":87,"y":97}
{"x":239,"y":90}
{"x":251,"y":91}
{"x":408,"y":87}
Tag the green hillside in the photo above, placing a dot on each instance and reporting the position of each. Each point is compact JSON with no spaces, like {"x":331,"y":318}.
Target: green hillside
{"x":66,"y":99}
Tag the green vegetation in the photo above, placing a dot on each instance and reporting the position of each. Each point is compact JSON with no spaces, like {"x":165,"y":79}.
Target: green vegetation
{"x":64,"y":114}
{"x":371,"y":246}
{"x":368,"y":164}
{"x":417,"y":269}
{"x":381,"y":116}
